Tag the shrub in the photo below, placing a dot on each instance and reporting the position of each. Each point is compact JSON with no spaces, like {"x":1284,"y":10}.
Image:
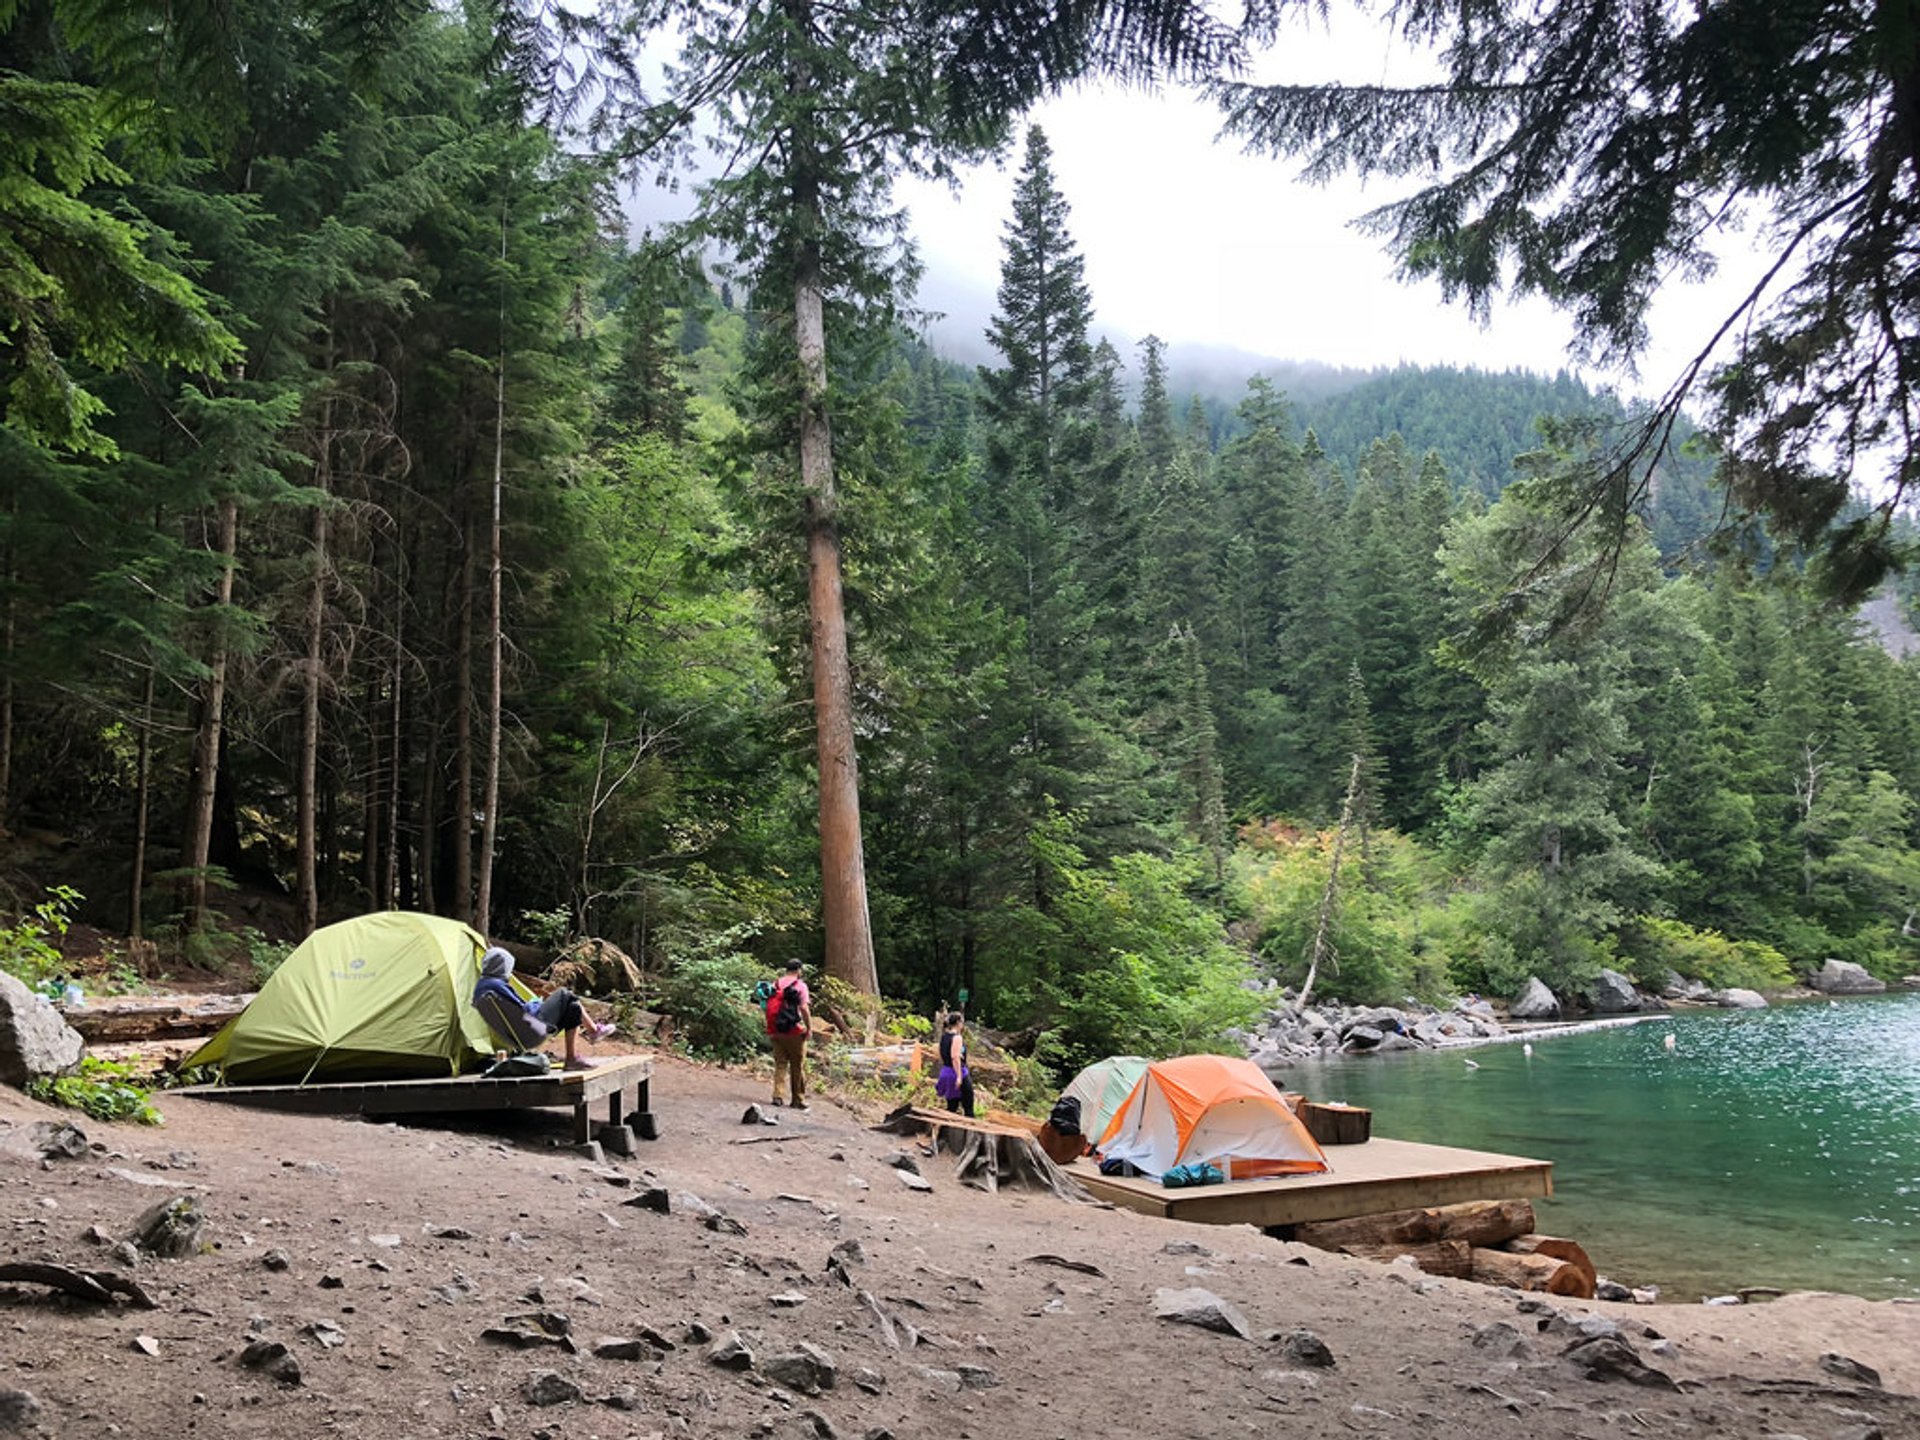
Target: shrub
{"x":30,"y":948}
{"x":1657,"y":945}
{"x":103,"y":1089}
{"x":708,"y":989}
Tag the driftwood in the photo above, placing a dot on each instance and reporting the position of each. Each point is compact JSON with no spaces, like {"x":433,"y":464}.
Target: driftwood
{"x":988,"y":1160}
{"x":1571,"y":1251}
{"x":1438,"y":1257}
{"x":1083,"y":1266}
{"x":1478,"y":1222}
{"x":99,"y":1286}
{"x":1527,"y":1272}
{"x":131,"y":1019}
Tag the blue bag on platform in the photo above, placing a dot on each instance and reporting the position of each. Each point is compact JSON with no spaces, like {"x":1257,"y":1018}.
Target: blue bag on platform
{"x":1196,"y":1173}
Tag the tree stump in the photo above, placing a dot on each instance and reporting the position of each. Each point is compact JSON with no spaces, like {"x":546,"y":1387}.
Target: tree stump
{"x":987,"y":1161}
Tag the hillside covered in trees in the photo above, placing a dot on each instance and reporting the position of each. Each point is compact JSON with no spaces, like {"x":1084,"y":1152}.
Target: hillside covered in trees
{"x":381,"y":525}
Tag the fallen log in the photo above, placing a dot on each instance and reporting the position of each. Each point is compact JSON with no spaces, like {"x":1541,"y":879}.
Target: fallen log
{"x":1527,"y":1272}
{"x":1478,"y":1222}
{"x":130,"y":1020}
{"x":1570,"y":1251}
{"x":1441,"y":1257}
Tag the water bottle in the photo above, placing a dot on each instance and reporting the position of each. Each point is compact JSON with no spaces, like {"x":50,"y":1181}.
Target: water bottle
{"x":72,"y":996}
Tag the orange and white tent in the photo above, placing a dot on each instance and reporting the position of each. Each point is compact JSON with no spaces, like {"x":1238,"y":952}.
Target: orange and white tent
{"x":1209,"y":1108}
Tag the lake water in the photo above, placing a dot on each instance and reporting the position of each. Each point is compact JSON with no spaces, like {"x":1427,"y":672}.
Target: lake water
{"x":1772,"y":1147}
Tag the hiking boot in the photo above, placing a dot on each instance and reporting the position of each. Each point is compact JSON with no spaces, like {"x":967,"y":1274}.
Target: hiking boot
{"x":801,"y":1105}
{"x":778,"y":1101}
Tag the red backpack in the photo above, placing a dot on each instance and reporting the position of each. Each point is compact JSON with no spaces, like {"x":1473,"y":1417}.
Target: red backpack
{"x":783,"y":1008}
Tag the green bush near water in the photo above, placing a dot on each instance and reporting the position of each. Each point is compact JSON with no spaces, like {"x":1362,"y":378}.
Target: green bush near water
{"x":1655,"y":946}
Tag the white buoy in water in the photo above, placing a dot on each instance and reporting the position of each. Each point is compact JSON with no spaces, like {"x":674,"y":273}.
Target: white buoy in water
{"x":1472,"y":1065}
{"x":1526,"y":1048}
{"x":1672,"y":1041}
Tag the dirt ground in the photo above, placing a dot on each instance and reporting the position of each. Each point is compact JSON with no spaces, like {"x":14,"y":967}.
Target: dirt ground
{"x":385,"y":1316}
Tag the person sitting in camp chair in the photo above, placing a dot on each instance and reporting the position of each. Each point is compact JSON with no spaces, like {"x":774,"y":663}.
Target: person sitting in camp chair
{"x":527,"y":1024}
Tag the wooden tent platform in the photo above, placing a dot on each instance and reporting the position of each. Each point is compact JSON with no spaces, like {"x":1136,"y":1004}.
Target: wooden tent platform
{"x":1364,"y":1180}
{"x":624,"y":1081}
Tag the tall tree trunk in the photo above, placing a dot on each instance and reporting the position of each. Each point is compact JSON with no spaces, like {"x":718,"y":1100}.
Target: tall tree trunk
{"x":206,"y":743}
{"x":1322,"y":947}
{"x":8,"y":636}
{"x":460,"y":832}
{"x":489,"y":821}
{"x":142,"y":807}
{"x":395,"y":787}
{"x":306,"y":802}
{"x":843,"y":877}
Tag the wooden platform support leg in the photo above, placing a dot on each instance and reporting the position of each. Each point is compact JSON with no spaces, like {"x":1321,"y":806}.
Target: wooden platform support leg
{"x":640,"y":1117}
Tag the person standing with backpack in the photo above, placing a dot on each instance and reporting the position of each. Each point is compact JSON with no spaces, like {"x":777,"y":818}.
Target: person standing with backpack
{"x":789,"y":1018}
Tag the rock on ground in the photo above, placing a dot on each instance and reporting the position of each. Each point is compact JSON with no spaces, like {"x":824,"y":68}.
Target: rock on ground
{"x":1202,"y":1308}
{"x":34,"y":1041}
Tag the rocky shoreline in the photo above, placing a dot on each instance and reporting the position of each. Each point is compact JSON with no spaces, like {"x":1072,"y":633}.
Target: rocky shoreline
{"x":1288,"y":1033}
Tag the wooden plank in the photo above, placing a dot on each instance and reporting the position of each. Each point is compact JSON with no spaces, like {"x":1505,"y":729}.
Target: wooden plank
{"x":949,"y":1120}
{"x":1364,"y":1179}
{"x":577,"y":1088}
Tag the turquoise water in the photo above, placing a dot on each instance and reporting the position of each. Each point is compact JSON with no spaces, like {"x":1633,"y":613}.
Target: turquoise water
{"x":1772,"y":1147}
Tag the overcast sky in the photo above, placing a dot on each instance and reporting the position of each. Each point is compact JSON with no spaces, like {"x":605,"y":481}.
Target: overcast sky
{"x":1189,"y":239}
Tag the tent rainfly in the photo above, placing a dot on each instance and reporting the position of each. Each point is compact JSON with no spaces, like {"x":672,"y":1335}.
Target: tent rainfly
{"x":1209,"y":1108}
{"x":383,"y":996}
{"x":1102,"y":1088}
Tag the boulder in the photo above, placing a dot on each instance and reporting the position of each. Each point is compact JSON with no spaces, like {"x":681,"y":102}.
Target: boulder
{"x":1364,"y":1037}
{"x":1613,"y":994}
{"x":1675,"y":986}
{"x":1739,"y":999}
{"x":1839,"y":977}
{"x":34,"y":1041}
{"x":1534,"y":1002}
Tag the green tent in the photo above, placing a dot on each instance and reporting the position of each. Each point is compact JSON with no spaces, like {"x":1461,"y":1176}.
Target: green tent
{"x":383,"y":996}
{"x":1102,"y":1088}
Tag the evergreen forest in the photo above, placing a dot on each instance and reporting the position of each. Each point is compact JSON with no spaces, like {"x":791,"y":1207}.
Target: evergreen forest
{"x":385,"y":523}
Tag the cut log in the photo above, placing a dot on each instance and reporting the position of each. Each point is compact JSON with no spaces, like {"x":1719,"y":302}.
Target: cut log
{"x":1527,"y":1272}
{"x":1336,"y":1124}
{"x":1478,"y":1222}
{"x":1560,"y":1249}
{"x":1441,"y":1257}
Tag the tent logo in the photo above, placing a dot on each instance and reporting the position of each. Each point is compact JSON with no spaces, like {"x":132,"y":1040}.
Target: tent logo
{"x":357,"y":963}
{"x":356,"y":970}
